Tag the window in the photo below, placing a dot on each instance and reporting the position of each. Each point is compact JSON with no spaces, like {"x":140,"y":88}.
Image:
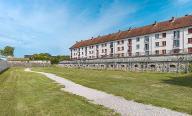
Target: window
{"x":176,"y":34}
{"x":82,"y":53}
{"x":189,"y":30}
{"x":137,"y":53}
{"x":164,"y":35}
{"x":129,"y":48}
{"x":146,"y":53}
{"x":146,"y":38}
{"x":137,"y":46}
{"x":118,"y":49}
{"x":102,"y":50}
{"x":137,"y":39}
{"x":118,"y":42}
{"x":157,"y":52}
{"x":111,"y":44}
{"x":105,"y":50}
{"x":156,"y":36}
{"x":90,"y":47}
{"x":130,"y":54}
{"x":176,"y":43}
{"x":163,"y":51}
{"x":111,"y":50}
{"x":163,"y":43}
{"x":146,"y":46}
{"x":157,"y":44}
{"x":122,"y":54}
{"x":97,"y":46}
{"x":129,"y":41}
{"x":189,"y":40}
{"x":176,"y":51}
{"x":104,"y":45}
{"x":122,"y":41}
{"x":122,"y":48}
{"x":190,"y":50}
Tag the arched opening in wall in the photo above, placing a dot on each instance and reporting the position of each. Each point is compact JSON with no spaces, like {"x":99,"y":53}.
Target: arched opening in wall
{"x":87,"y":65}
{"x":172,"y":66}
{"x":152,"y":66}
{"x":102,"y":66}
{"x":94,"y":65}
{"x":136,"y":65}
{"x":111,"y":66}
{"x":122,"y":66}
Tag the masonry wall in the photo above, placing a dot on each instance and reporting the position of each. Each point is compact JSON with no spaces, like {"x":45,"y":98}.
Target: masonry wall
{"x":3,"y":65}
{"x":172,"y":63}
{"x":29,"y":63}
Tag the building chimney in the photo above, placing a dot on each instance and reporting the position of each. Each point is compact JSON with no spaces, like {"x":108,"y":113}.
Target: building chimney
{"x":129,"y":29}
{"x":155,"y":23}
{"x":172,"y":19}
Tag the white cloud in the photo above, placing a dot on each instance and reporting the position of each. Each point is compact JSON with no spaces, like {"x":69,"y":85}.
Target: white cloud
{"x":56,"y":29}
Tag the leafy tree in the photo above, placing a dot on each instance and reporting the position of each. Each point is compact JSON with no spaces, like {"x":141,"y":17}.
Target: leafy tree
{"x":47,"y":56}
{"x":7,"y":51}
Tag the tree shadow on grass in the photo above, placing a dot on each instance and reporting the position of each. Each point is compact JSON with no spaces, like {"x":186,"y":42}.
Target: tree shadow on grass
{"x":181,"y":80}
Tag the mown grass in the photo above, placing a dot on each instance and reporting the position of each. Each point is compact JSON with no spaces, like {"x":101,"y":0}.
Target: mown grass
{"x":160,"y":89}
{"x":30,"y":94}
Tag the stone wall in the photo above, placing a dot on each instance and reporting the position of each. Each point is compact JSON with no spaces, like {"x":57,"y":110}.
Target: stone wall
{"x":173,"y":63}
{"x":3,"y":65}
{"x":29,"y":63}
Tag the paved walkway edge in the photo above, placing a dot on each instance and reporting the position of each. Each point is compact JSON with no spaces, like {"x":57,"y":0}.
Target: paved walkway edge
{"x":118,"y":104}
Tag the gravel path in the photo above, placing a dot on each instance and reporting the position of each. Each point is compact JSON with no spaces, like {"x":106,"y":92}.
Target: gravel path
{"x":118,"y":104}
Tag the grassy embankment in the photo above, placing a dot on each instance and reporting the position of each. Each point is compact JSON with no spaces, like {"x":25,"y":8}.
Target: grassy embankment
{"x":30,"y":94}
{"x":160,"y":89}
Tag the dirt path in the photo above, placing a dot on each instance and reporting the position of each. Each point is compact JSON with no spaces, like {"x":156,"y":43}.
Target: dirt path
{"x":118,"y":104}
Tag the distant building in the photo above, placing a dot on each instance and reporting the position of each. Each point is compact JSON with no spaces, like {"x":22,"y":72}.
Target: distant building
{"x":160,"y":38}
{"x":28,"y":56}
{"x":161,"y":46}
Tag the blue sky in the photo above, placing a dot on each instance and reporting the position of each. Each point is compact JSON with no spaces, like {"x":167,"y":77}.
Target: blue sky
{"x":52,"y":26}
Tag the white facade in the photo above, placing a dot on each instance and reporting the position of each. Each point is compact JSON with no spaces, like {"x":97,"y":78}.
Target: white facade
{"x":162,"y":43}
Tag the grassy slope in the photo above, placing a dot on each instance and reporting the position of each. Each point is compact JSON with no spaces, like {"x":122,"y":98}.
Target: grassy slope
{"x":160,"y":89}
{"x":30,"y":94}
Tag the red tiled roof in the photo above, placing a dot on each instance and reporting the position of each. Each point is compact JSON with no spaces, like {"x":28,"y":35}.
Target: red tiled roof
{"x":153,"y":28}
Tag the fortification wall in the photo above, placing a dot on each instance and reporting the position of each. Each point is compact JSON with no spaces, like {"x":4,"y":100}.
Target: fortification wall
{"x":3,"y":65}
{"x":29,"y":63}
{"x":172,"y":63}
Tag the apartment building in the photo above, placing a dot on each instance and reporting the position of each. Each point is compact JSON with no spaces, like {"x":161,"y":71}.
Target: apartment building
{"x":169,"y":37}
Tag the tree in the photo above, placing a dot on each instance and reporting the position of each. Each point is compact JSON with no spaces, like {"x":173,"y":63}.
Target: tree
{"x":8,"y":51}
{"x":47,"y":56}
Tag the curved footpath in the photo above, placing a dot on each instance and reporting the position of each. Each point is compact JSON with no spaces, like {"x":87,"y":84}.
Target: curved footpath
{"x":118,"y":104}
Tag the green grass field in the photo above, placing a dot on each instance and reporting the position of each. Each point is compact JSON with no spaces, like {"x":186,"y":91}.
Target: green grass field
{"x":30,"y":94}
{"x":160,"y":89}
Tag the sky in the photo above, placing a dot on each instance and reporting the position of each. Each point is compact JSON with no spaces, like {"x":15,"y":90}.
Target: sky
{"x":52,"y":26}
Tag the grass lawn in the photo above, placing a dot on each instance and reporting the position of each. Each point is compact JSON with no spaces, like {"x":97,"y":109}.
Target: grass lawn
{"x":30,"y":94}
{"x":159,"y":89}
